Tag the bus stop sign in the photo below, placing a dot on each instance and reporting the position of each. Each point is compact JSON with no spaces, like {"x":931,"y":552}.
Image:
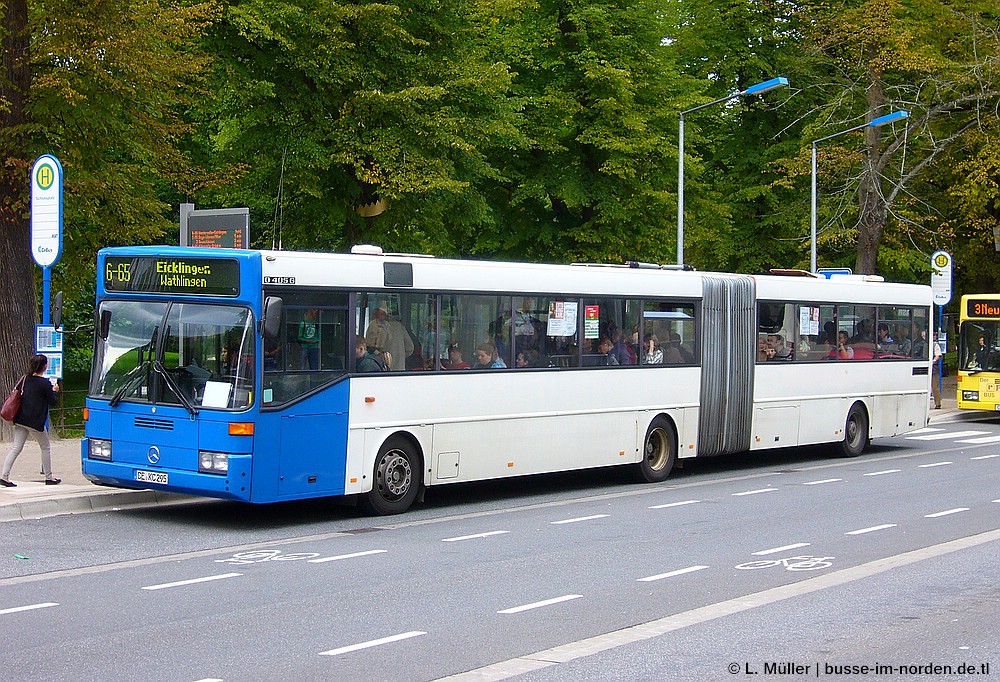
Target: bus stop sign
{"x":941,"y":277}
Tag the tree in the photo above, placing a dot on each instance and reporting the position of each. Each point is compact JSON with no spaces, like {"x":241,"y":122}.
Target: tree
{"x":17,"y":298}
{"x":336,"y":106}
{"x":935,"y":59}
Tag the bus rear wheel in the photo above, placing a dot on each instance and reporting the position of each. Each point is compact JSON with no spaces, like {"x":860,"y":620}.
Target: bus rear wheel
{"x":396,"y":478}
{"x":855,"y":432}
{"x":659,"y":452}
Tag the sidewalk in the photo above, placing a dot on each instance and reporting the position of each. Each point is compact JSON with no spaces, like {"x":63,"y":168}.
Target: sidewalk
{"x":32,"y":499}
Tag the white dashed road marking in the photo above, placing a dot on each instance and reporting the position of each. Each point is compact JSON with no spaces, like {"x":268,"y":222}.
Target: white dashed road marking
{"x":671,"y":574}
{"x":30,"y":607}
{"x":862,"y":531}
{"x":193,"y":581}
{"x":581,"y":518}
{"x":765,"y":552}
{"x":825,"y":480}
{"x":674,"y":504}
{"x":935,"y":464}
{"x":951,"y":434}
{"x":887,"y":471}
{"x":323,"y":560}
{"x":755,"y":492}
{"x":476,"y":536}
{"x":374,"y":642}
{"x":540,"y":604}
{"x":946,"y":513}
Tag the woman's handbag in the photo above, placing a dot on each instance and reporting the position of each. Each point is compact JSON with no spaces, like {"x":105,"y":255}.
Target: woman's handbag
{"x":12,"y":403}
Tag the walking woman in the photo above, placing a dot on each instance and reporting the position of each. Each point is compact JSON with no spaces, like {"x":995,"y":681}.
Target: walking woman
{"x":36,"y":396}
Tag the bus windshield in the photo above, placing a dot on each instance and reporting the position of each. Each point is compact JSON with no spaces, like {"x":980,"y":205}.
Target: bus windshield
{"x":978,"y":348}
{"x":197,"y":355}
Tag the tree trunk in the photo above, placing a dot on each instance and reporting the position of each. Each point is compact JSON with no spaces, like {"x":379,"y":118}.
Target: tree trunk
{"x":18,"y":308}
{"x":872,"y":209}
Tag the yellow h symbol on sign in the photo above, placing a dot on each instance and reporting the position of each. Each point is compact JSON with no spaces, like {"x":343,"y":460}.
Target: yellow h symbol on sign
{"x":45,"y":176}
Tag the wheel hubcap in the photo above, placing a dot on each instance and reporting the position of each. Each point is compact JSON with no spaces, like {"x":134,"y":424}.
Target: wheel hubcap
{"x":656,"y":450}
{"x":394,"y":474}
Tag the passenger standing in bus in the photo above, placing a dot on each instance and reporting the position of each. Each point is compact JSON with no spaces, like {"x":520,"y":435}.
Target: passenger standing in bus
{"x":377,"y":334}
{"x":37,"y":394}
{"x":309,"y":339}
{"x":400,"y":345}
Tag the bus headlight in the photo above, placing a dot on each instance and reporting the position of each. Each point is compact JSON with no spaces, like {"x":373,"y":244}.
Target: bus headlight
{"x":213,"y":462}
{"x":100,"y":449}
{"x":970,"y":395}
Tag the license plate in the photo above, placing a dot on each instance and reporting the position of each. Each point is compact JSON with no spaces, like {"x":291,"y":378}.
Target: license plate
{"x":151,"y":476}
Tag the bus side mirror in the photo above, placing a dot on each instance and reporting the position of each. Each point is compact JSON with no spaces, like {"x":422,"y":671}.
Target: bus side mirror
{"x":272,"y":316}
{"x":104,"y":324}
{"x":57,"y":308}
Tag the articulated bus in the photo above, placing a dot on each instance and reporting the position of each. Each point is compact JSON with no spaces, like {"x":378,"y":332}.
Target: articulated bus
{"x":245,"y":375}
{"x":979,"y":352}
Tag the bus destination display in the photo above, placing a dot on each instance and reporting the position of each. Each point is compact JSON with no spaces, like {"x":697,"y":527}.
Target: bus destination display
{"x":168,"y":275}
{"x":982,"y":307}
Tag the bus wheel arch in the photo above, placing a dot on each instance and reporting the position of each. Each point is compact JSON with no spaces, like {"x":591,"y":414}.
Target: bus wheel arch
{"x":659,"y":450}
{"x":397,"y":476}
{"x":856,"y":430}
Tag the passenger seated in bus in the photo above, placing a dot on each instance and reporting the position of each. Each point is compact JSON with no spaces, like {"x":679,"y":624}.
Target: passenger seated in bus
{"x":621,"y":349}
{"x":904,"y":344}
{"x":455,"y":360}
{"x":764,"y":351}
{"x":606,"y":353}
{"x":843,"y":349}
{"x":919,"y":348}
{"x":781,"y":351}
{"x":364,"y":361}
{"x":864,"y":341}
{"x":652,"y":354}
{"x":885,"y":340}
{"x":487,"y":357}
{"x":528,"y":358}
{"x":674,"y":353}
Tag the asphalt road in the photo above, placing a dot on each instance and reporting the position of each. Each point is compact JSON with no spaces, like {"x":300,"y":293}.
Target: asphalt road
{"x":756,"y":561}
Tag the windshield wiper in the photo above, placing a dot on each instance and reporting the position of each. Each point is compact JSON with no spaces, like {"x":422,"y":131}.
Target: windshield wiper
{"x":131,"y":383}
{"x":174,"y":388}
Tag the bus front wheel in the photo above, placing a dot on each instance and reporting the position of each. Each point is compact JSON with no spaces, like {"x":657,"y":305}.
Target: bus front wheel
{"x":855,"y":432}
{"x":396,"y":478}
{"x":659,"y":452}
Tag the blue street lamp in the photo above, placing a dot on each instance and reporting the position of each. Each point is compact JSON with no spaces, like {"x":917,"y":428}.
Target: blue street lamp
{"x":874,"y":123}
{"x":758,"y":89}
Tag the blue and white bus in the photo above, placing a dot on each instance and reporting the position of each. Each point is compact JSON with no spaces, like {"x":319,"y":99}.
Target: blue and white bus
{"x":243,"y":375}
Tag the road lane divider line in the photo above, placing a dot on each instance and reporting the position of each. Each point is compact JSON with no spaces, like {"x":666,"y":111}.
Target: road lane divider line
{"x":30,"y":607}
{"x":755,"y":492}
{"x":872,"y":529}
{"x":476,"y":536}
{"x":540,"y":604}
{"x":946,"y":513}
{"x":879,"y":473}
{"x":572,"y":651}
{"x":374,"y":642}
{"x":985,"y":456}
{"x":580,"y":518}
{"x":765,"y":552}
{"x":952,"y":434}
{"x":323,"y":560}
{"x":674,"y":504}
{"x":980,"y":441}
{"x":193,"y":581}
{"x":825,"y":480}
{"x":935,"y":464}
{"x":671,"y":574}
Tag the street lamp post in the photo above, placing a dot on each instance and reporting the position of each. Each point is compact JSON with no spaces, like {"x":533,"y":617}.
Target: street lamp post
{"x":874,"y":123}
{"x":758,"y":89}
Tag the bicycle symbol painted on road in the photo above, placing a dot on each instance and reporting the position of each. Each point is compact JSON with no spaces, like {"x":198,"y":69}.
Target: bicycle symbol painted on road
{"x":793,"y":563}
{"x":261,"y":555}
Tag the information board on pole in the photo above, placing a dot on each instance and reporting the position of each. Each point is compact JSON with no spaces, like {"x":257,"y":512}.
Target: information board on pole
{"x":221,"y":228}
{"x":46,"y":210}
{"x":941,"y":277}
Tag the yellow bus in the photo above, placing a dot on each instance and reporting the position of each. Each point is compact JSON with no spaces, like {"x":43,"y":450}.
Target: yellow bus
{"x":979,"y":352}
